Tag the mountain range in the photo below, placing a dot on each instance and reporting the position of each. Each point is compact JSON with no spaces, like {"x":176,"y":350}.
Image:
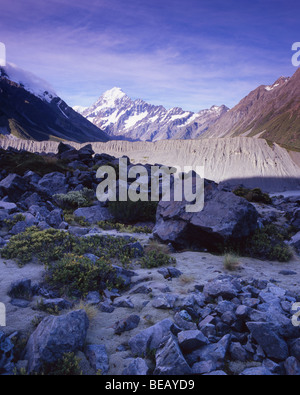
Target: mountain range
{"x":30,"y":109}
{"x":126,"y":119}
{"x":271,"y":112}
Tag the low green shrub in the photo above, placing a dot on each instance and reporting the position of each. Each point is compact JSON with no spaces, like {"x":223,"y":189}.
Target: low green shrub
{"x":48,"y":245}
{"x":68,"y":365}
{"x":110,"y":225}
{"x":75,"y":199}
{"x":115,"y":248}
{"x":52,"y":244}
{"x":21,"y":162}
{"x":153,"y":259}
{"x":10,"y":223}
{"x":253,"y":195}
{"x":132,"y":212}
{"x":268,"y":243}
{"x":76,"y":275}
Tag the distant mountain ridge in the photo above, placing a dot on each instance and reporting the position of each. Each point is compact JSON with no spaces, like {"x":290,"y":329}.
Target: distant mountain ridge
{"x":30,"y":109}
{"x":126,"y":119}
{"x":269,"y":112}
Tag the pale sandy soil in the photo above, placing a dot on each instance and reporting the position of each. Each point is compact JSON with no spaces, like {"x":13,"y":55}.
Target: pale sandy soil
{"x":197,"y":268}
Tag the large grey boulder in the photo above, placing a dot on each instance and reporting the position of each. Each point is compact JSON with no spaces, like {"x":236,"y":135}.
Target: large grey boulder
{"x":151,"y":338}
{"x":212,"y":352}
{"x":13,"y":186}
{"x":220,"y":287}
{"x":9,"y":207}
{"x":191,"y":340}
{"x":93,"y":214}
{"x":54,"y":183}
{"x":265,"y":335}
{"x":224,"y":217}
{"x":55,"y":336}
{"x":296,"y":220}
{"x":6,"y":353}
{"x":170,"y":361}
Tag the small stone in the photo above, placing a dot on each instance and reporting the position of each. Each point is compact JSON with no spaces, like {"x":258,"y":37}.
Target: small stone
{"x":191,"y":340}
{"x":127,"y":324}
{"x":98,"y":358}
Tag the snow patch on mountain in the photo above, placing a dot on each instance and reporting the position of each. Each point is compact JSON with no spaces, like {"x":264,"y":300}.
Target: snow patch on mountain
{"x":28,"y":81}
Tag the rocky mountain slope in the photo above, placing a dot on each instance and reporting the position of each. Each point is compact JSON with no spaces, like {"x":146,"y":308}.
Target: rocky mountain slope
{"x":270,"y":112}
{"x":30,"y":109}
{"x":126,"y":119}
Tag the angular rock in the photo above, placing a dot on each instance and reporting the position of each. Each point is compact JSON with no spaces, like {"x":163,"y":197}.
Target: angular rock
{"x":93,"y":298}
{"x":165,"y":302}
{"x":54,"y":183}
{"x":98,"y":358}
{"x":237,"y":352}
{"x":170,"y":272}
{"x":212,"y":352}
{"x":55,"y":336}
{"x":225,"y":217}
{"x":191,"y":340}
{"x":13,"y":186}
{"x":265,"y":335}
{"x":259,"y":371}
{"x":170,"y":361}
{"x":151,"y":338}
{"x":93,"y":214}
{"x":55,"y":218}
{"x":220,"y":287}
{"x":9,"y":207}
{"x":203,"y":367}
{"x":138,"y":367}
{"x":295,"y":349}
{"x":292,"y":367}
{"x":127,"y":324}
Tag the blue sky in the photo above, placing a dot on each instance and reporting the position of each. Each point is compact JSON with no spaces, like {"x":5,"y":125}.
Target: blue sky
{"x":186,"y":53}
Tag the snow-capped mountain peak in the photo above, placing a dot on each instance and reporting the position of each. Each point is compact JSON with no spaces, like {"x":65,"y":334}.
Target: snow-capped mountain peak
{"x":28,"y":81}
{"x":123,"y":118}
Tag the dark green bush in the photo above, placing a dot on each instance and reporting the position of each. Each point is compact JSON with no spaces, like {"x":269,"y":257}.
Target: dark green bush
{"x":153,"y":259}
{"x":268,"y":243}
{"x":68,"y":365}
{"x":109,"y":225}
{"x":132,"y":212}
{"x":78,"y":275}
{"x":253,"y":195}
{"x":47,"y":245}
{"x":51,"y":245}
{"x":20,"y":162}
{"x":10,"y":223}
{"x":75,"y":199}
